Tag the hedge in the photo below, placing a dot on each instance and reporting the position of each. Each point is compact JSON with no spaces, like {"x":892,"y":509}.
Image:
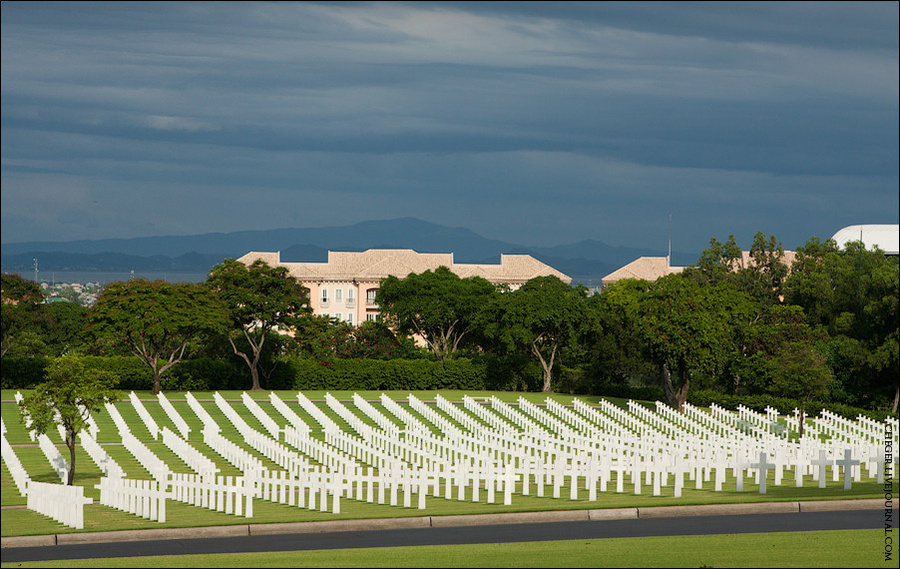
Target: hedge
{"x":194,"y":375}
{"x":290,"y":373}
{"x":383,"y":375}
{"x":22,"y":373}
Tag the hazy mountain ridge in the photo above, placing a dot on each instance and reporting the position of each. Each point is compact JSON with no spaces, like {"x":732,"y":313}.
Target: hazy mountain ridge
{"x":199,"y":253}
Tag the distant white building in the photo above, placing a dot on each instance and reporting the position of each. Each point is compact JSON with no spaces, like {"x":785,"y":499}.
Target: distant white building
{"x":885,"y":237}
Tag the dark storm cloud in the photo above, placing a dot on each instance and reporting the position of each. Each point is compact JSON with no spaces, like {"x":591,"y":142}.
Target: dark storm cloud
{"x":538,"y":123}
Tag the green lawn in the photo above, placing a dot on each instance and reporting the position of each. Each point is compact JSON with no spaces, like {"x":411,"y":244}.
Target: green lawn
{"x":851,"y":548}
{"x":724,"y":550}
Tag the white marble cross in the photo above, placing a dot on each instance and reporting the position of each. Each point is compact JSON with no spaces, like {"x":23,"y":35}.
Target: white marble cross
{"x":739,"y":472}
{"x":848,"y":463}
{"x":822,"y":463}
{"x":878,"y":459}
{"x":763,"y":466}
{"x":798,"y":473}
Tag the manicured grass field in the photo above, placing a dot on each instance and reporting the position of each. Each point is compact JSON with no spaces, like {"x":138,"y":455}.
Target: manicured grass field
{"x":783,"y":550}
{"x":851,"y":548}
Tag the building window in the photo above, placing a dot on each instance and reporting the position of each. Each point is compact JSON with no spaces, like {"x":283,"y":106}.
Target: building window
{"x":349,"y":297}
{"x":370,"y":295}
{"x":324,"y":297}
{"x":338,"y":295}
{"x":349,"y":317}
{"x":373,"y":317}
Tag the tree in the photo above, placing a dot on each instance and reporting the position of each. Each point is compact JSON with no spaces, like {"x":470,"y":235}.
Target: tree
{"x":542,"y":315}
{"x":717,"y":263}
{"x":618,"y":350}
{"x":438,"y":306}
{"x":684,"y":333}
{"x":71,"y":393}
{"x":20,"y":299}
{"x":761,"y":278}
{"x":764,"y":276}
{"x":800,"y":371}
{"x":259,"y":299}
{"x":787,"y":358}
{"x":326,"y":338}
{"x":61,"y":325}
{"x":155,"y":321}
{"x":854,"y":294}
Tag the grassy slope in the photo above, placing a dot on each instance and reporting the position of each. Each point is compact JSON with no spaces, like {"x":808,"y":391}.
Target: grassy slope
{"x":100,"y":518}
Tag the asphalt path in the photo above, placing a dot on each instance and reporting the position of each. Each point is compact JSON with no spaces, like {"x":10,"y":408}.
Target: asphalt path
{"x":503,"y":533}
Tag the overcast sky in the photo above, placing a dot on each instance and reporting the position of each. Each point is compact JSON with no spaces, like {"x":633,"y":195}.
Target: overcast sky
{"x":535,"y":123}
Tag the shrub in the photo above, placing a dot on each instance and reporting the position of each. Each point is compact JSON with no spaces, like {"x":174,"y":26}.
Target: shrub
{"x":23,"y":372}
{"x":383,"y":375}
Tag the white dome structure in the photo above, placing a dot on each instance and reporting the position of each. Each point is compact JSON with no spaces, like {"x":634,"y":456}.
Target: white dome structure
{"x":885,"y":237}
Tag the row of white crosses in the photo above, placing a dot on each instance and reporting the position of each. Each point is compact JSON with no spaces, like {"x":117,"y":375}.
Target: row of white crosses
{"x":64,"y":504}
{"x":174,"y":416}
{"x":57,"y":461}
{"x":759,"y":465}
{"x":98,"y":454}
{"x":14,"y":465}
{"x":270,"y":448}
{"x":293,"y":419}
{"x":505,"y":447}
{"x":265,"y":420}
{"x":194,"y":459}
{"x":145,"y":416}
{"x":362,"y":428}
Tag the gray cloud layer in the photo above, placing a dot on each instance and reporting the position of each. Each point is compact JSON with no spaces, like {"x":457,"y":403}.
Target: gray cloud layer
{"x":538,"y":123}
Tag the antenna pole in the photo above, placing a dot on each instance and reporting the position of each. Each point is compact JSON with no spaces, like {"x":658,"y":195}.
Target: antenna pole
{"x":669,"y":256}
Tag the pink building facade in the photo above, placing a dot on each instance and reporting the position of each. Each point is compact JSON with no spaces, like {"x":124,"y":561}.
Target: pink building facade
{"x":345,"y":286}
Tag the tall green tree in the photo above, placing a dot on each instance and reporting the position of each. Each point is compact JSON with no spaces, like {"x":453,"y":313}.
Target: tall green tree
{"x":761,"y":275}
{"x":155,"y":321}
{"x":618,"y":352}
{"x":20,"y":300}
{"x":786,"y":357}
{"x":542,"y":316}
{"x":61,"y":326}
{"x":326,"y":339}
{"x":437,"y":306}
{"x":259,"y":299}
{"x":685,"y":335}
{"x":71,"y":393}
{"x":718,"y":262}
{"x":763,"y":278}
{"x":853,"y":293}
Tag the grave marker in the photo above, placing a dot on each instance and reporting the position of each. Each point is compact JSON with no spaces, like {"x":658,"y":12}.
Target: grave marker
{"x":848,"y":463}
{"x":763,"y":467}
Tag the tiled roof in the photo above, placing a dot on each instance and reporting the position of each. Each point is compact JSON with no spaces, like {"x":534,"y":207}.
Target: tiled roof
{"x":647,"y":268}
{"x":652,"y":268}
{"x":376,"y":264}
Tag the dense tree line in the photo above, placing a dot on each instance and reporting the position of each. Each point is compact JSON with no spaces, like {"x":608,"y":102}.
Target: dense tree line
{"x":824,"y":328}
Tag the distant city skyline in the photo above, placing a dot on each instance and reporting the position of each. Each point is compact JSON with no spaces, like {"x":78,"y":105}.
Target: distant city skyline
{"x":538,"y":123}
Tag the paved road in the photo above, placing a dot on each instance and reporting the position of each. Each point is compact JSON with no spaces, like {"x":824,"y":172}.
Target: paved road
{"x":505,"y":533}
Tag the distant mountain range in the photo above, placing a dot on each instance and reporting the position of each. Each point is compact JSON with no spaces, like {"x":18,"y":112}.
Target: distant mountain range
{"x":585,"y":261}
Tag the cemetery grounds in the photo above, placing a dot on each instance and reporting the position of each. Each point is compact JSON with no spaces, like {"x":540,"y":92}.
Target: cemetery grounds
{"x":171,"y":429}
